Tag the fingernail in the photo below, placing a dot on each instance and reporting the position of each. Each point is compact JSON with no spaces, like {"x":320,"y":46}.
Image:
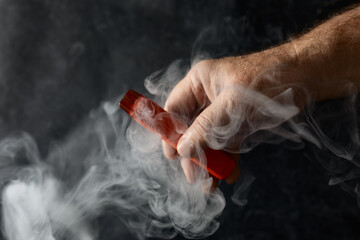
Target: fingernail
{"x":185,"y":147}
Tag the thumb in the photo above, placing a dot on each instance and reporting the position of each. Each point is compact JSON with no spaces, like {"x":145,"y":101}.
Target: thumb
{"x":201,"y":132}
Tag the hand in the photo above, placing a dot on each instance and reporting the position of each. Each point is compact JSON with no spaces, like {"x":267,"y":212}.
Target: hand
{"x":225,"y":100}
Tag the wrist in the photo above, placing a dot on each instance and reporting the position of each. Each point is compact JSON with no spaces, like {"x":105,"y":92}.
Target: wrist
{"x":288,"y":73}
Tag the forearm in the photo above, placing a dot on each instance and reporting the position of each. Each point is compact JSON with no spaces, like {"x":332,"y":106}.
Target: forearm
{"x":328,"y":54}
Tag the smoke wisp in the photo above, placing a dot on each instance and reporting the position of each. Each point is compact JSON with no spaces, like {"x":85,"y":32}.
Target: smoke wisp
{"x":111,"y":164}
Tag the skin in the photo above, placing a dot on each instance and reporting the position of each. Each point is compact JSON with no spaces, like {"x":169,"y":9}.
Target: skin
{"x":312,"y":64}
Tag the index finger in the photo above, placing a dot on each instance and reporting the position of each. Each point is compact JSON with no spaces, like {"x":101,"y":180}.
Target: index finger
{"x":185,"y":101}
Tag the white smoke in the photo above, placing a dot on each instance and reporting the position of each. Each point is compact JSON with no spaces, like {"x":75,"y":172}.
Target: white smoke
{"x":97,"y":168}
{"x":110,"y":163}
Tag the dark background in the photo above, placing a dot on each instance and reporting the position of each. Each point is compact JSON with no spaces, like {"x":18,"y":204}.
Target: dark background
{"x":60,"y":59}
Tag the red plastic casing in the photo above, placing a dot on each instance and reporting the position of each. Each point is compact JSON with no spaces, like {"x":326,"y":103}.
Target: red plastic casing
{"x":153,"y":117}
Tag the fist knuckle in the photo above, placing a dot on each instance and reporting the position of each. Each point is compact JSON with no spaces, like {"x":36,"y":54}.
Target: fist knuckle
{"x":202,"y":125}
{"x":202,"y":67}
{"x":204,"y":64}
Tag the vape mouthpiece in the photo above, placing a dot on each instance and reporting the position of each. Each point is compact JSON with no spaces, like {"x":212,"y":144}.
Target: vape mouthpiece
{"x":153,"y":117}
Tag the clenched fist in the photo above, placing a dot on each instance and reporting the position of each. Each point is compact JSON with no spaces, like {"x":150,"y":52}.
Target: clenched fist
{"x":224,"y":101}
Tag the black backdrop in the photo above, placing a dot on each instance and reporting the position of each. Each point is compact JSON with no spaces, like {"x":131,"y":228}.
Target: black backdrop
{"x":60,"y":59}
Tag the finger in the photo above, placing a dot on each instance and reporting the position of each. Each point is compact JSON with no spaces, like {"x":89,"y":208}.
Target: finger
{"x":205,"y":130}
{"x":214,"y":184}
{"x":190,"y":169}
{"x":169,"y":152}
{"x":187,"y":97}
{"x":184,"y":102}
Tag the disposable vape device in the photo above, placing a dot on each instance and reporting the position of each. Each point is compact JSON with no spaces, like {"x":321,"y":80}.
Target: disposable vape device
{"x":153,"y":117}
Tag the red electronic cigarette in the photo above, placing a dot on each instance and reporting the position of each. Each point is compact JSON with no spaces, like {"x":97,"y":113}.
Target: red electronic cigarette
{"x":153,"y":117}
